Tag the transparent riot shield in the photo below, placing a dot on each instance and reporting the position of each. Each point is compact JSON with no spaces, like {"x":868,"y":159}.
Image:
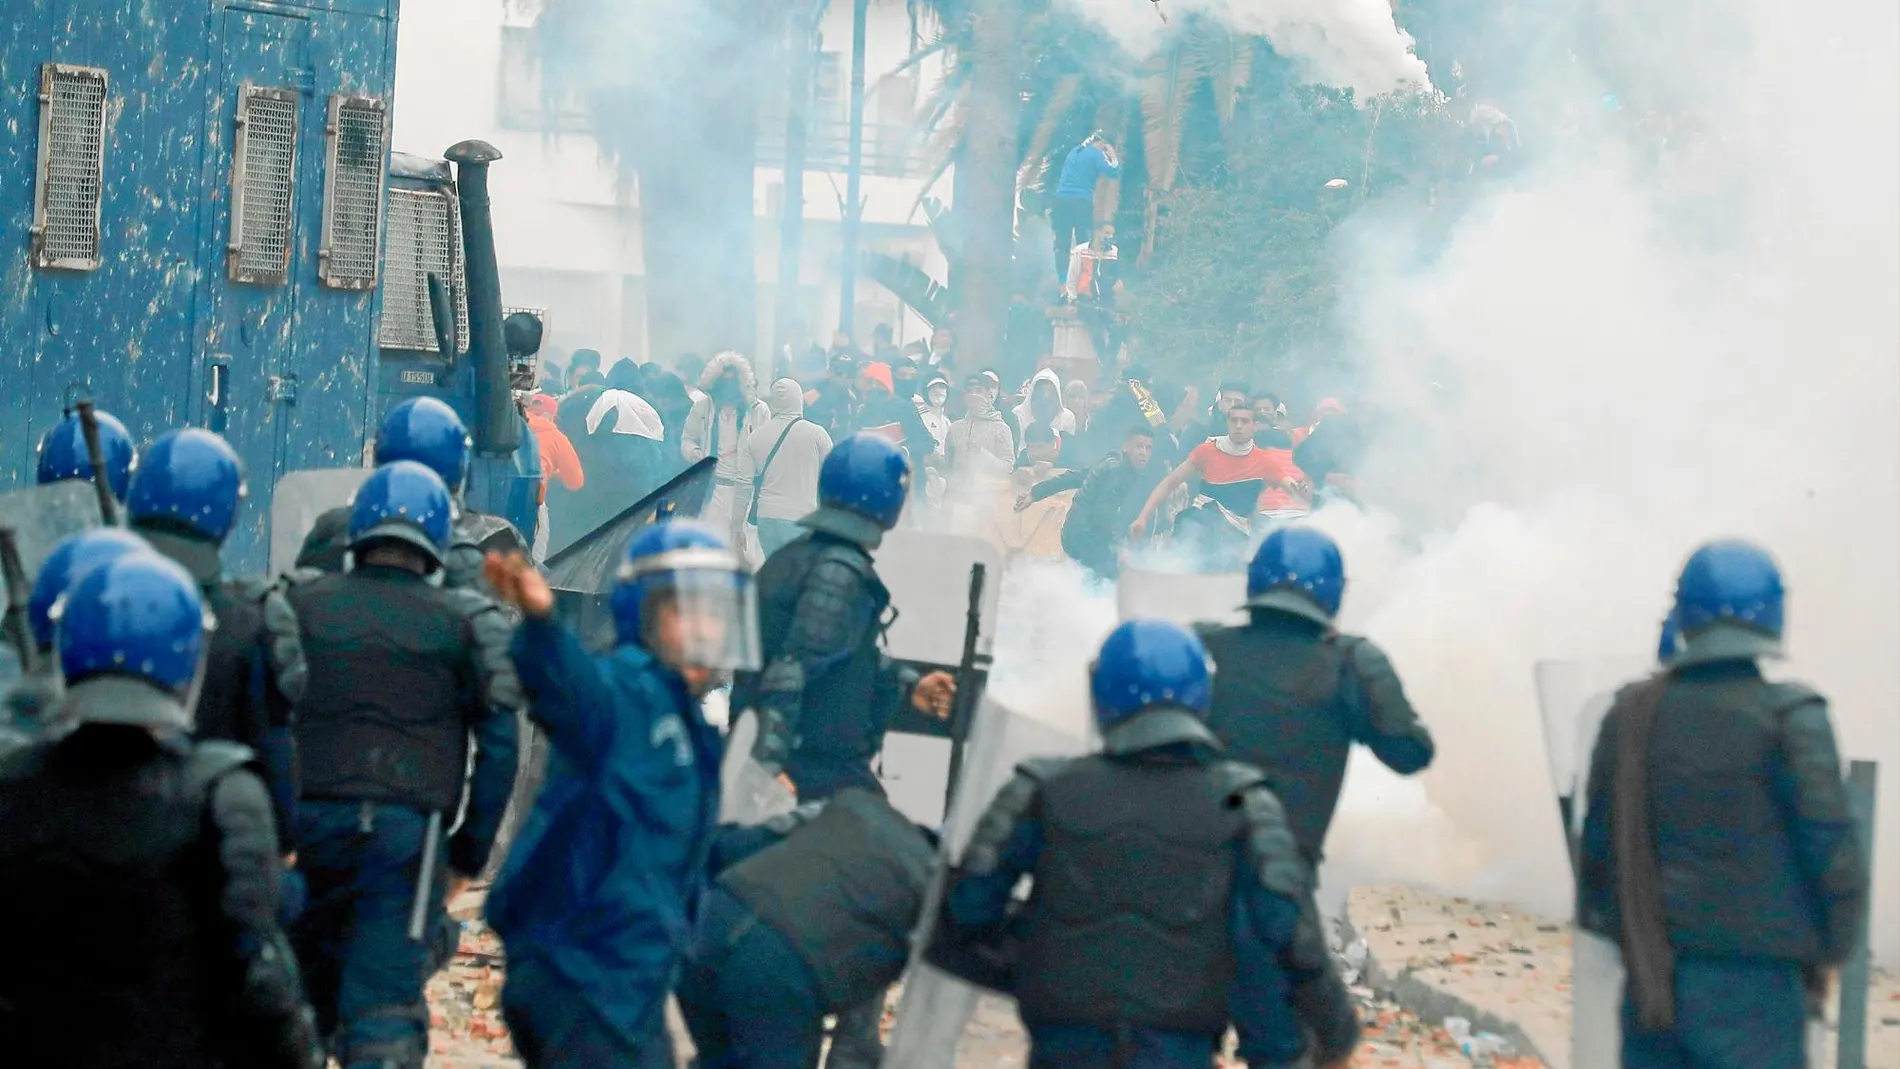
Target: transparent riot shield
{"x":1181,"y":597}
{"x":748,"y":794}
{"x":1573,"y":697}
{"x":928,"y":575}
{"x":936,"y":1006}
{"x":299,"y":499}
{"x":41,"y":516}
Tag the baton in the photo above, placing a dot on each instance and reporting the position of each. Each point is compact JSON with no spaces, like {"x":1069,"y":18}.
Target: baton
{"x":19,"y":595}
{"x":89,"y":426}
{"x":425,"y":881}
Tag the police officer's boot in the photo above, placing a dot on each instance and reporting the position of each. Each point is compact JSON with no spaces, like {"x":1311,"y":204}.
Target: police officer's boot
{"x":856,"y":1040}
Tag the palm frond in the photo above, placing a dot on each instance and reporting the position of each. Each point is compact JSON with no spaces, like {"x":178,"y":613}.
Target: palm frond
{"x":1054,"y":107}
{"x":908,"y":283}
{"x":1232,"y":72}
{"x":1165,"y":93}
{"x":939,"y":154}
{"x":942,"y":43}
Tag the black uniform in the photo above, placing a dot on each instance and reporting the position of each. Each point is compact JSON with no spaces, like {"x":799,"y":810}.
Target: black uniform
{"x":1169,"y":899}
{"x":475,"y":535}
{"x":1758,"y":873}
{"x":1109,"y":496}
{"x":403,"y":675}
{"x":254,"y":667}
{"x":144,"y":875}
{"x":1291,"y":699}
{"x":834,"y":888}
{"x":827,"y":690}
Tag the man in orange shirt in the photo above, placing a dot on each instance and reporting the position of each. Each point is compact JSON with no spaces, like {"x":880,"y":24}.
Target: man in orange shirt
{"x":558,"y":461}
{"x":1234,"y":472}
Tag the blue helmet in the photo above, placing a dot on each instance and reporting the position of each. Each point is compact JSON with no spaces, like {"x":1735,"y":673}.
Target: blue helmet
{"x":138,"y":616}
{"x":72,"y":558}
{"x":686,"y":564}
{"x":1298,"y":569}
{"x":428,"y":432}
{"x":188,"y":479}
{"x":1149,"y":663}
{"x":1730,"y":581}
{"x":63,"y":453}
{"x":1670,"y":643}
{"x":405,"y":501}
{"x":866,"y":476}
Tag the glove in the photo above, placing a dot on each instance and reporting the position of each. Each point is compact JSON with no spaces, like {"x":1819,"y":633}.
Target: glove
{"x":774,"y":745}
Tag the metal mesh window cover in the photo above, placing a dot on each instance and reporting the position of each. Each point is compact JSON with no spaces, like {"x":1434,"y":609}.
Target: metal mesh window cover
{"x":70,"y":182}
{"x":425,"y":236}
{"x":263,"y":185}
{"x":355,"y":160}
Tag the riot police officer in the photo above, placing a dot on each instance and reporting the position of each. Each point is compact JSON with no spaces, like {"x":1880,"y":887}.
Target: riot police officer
{"x":403,"y":675}
{"x":32,"y":700}
{"x":63,"y":453}
{"x":1169,"y":895}
{"x":594,"y":899}
{"x":144,"y":867}
{"x":428,"y":432}
{"x":1717,"y":846}
{"x":1297,"y":693}
{"x":827,"y":689}
{"x":184,"y":501}
{"x":811,"y":915}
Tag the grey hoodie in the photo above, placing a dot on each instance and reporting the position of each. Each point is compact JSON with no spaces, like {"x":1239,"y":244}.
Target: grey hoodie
{"x":789,"y":490}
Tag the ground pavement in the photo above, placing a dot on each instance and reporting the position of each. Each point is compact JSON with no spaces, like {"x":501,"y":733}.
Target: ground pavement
{"x":1441,"y":983}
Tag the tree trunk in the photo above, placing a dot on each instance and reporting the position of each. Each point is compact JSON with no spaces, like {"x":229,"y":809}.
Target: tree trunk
{"x":986,"y":184}
{"x":802,"y":52}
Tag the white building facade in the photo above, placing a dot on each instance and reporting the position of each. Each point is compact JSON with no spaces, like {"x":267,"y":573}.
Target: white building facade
{"x":568,"y":235}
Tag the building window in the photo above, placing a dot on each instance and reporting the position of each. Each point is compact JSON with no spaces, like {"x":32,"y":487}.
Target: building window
{"x":425,"y":238}
{"x":522,"y":103}
{"x":355,"y":160}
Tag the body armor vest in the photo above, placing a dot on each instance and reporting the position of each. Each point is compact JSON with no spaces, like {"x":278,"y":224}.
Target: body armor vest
{"x":845,"y":890}
{"x":391,"y":679}
{"x":106,"y":862}
{"x":846,"y":709}
{"x":1129,"y":918}
{"x":232,"y":703}
{"x":1276,"y":708}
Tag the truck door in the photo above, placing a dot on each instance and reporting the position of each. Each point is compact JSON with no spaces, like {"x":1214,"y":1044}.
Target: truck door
{"x":247,"y":305}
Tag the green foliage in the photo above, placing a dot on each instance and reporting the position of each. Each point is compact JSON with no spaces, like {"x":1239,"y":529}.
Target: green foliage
{"x":1241,"y":278}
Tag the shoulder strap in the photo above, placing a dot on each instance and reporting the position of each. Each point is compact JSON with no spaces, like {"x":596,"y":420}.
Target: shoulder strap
{"x":759,"y":479}
{"x":210,"y":762}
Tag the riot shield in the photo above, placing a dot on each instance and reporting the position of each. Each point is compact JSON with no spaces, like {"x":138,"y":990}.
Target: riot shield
{"x":1574,"y":697}
{"x":748,"y":794}
{"x":928,"y":576}
{"x":299,"y":499}
{"x":937,"y":1005}
{"x":1181,"y":597}
{"x":41,"y":516}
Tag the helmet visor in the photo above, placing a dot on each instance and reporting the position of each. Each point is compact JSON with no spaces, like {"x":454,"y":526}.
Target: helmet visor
{"x":701,"y":618}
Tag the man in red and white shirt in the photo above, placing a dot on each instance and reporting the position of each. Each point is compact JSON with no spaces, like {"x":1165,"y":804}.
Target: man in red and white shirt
{"x":1233,"y":470}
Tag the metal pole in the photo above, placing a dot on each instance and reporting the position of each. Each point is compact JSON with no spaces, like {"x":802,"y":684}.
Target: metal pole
{"x":496,"y":429}
{"x":854,"y":175}
{"x":1851,"y":1046}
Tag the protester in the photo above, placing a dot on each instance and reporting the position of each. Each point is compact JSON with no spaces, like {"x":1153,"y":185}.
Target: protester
{"x":1106,"y":496}
{"x":1074,"y":207}
{"x":936,"y":418}
{"x":1075,"y":398}
{"x":582,"y":362}
{"x":1044,"y":405}
{"x":559,"y":462}
{"x":717,"y":427}
{"x":1213,"y":422}
{"x":833,"y":402}
{"x":691,"y":368}
{"x":1234,"y":473}
{"x":883,"y":349}
{"x":673,"y":402}
{"x":779,"y":465}
{"x":981,"y":442}
{"x":631,"y":435}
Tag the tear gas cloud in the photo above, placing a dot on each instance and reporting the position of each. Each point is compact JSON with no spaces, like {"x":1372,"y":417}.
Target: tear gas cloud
{"x":1352,"y":44}
{"x":1635,"y":360}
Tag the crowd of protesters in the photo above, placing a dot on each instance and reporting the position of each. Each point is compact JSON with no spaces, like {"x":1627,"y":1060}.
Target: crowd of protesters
{"x":1043,"y":467}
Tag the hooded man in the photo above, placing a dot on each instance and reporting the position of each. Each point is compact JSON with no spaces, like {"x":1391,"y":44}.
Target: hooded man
{"x":931,"y":406}
{"x":833,"y":402}
{"x":630,"y":436}
{"x":717,"y":427}
{"x":779,"y":466}
{"x":1044,"y":404}
{"x":890,"y":410}
{"x":981,"y":441}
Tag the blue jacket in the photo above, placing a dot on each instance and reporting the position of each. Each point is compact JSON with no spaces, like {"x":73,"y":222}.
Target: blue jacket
{"x":1263,"y":925}
{"x":600,"y":885}
{"x":1084,"y":167}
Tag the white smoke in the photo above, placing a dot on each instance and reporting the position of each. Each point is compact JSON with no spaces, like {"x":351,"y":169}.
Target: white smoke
{"x":1347,"y":44}
{"x":1637,"y":360}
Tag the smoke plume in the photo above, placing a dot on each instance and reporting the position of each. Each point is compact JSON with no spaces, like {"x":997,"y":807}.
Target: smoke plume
{"x":1348,"y":44}
{"x":1638,"y":357}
